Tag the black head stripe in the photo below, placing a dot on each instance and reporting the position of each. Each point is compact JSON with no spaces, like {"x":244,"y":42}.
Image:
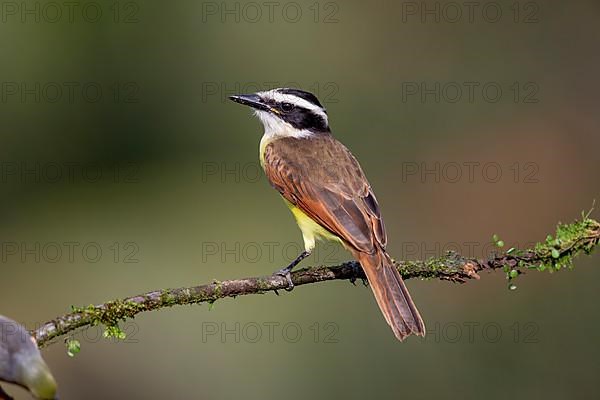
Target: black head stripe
{"x":311,"y":98}
{"x":301,"y":118}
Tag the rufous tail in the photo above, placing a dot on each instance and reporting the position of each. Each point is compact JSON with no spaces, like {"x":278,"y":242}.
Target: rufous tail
{"x":391,"y":294}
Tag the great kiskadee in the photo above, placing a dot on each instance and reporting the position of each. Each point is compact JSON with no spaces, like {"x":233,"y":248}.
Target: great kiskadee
{"x":329,"y":195}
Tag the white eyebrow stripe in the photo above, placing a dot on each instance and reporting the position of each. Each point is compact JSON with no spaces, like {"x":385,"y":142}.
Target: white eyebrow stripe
{"x":295,"y":100}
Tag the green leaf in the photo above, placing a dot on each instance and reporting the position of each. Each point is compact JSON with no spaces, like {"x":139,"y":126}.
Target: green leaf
{"x":73,"y":347}
{"x":113,"y":331}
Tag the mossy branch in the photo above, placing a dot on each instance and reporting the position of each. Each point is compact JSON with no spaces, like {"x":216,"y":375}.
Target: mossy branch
{"x":553,"y":254}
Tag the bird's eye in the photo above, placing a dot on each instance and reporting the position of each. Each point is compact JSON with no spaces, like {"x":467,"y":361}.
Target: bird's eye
{"x":287,"y":107}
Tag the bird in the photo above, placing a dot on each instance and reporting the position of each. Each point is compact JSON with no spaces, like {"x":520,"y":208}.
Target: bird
{"x":329,"y":195}
{"x":21,"y":362}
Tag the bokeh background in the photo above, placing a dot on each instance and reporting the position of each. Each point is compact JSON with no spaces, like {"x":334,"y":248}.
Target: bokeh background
{"x":118,"y":143}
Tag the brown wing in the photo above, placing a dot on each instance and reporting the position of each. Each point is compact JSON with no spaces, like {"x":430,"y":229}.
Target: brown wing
{"x":321,"y":177}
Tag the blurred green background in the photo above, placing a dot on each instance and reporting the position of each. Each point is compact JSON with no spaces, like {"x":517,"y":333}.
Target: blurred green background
{"x":118,"y":143}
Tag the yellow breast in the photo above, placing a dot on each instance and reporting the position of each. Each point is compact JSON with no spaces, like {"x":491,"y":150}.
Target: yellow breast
{"x":311,"y":230}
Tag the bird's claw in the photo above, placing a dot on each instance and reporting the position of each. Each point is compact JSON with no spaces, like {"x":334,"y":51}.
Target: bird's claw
{"x":286,"y":273}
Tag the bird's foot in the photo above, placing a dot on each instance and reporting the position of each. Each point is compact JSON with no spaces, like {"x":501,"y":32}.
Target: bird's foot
{"x":356,"y":270}
{"x":287,"y":274}
{"x":287,"y":271}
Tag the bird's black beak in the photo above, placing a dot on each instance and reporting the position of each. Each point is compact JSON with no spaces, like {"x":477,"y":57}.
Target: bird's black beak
{"x":252,"y":100}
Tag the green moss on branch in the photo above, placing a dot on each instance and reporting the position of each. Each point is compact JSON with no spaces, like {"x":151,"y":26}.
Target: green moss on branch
{"x":556,"y":252}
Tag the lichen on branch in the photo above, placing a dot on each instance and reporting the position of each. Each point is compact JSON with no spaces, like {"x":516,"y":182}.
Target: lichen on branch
{"x":556,"y":252}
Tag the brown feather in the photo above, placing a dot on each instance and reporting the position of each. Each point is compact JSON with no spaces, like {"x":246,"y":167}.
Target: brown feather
{"x":320,"y":176}
{"x":391,"y":294}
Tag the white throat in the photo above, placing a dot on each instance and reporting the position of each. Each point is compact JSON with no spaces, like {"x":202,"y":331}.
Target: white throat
{"x":276,"y":127}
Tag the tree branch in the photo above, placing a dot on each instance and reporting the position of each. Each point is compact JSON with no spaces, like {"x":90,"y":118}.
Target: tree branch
{"x":552,"y":254}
